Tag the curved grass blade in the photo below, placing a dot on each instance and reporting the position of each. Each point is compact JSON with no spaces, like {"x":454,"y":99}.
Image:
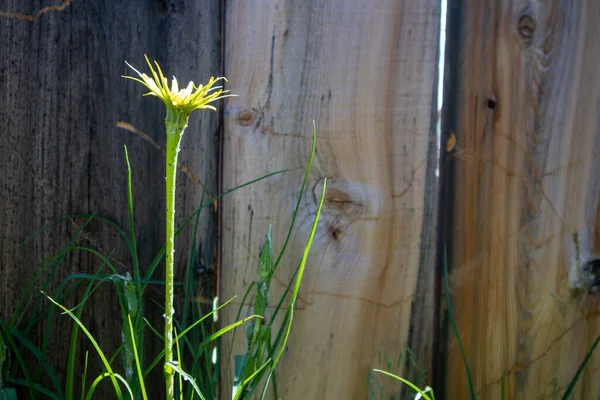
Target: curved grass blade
{"x":19,"y":357}
{"x":302,"y":188}
{"x":154,"y":330}
{"x":237,"y":317}
{"x":71,"y":217}
{"x":95,"y":344}
{"x":240,"y":389}
{"x":43,"y":365}
{"x":70,"y":374}
{"x":276,"y":264}
{"x":296,"y":288}
{"x":209,"y":339}
{"x":34,"y":386}
{"x":26,"y":298}
{"x":158,"y":258}
{"x":406,"y":382}
{"x":187,"y":377}
{"x":112,"y":376}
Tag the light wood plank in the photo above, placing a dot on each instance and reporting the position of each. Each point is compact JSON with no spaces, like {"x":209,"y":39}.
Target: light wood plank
{"x":526,"y":180}
{"x":366,"y":73}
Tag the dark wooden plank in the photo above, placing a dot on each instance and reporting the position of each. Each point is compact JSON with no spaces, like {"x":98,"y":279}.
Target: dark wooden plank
{"x":62,"y":97}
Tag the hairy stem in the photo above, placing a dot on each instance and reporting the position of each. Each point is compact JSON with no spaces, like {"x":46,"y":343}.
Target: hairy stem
{"x":175,"y":125}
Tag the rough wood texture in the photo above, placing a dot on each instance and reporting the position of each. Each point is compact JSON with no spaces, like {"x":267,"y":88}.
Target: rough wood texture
{"x":62,"y":152}
{"x":366,"y":73}
{"x":526,"y":179}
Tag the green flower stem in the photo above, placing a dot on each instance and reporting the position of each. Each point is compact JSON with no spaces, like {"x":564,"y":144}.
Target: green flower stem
{"x":179,"y":104}
{"x":175,"y":123}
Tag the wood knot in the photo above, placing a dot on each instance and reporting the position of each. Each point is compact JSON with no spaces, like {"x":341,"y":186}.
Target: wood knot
{"x":526,"y":27}
{"x":247,"y":117}
{"x":340,"y":202}
{"x":343,"y":204}
{"x":334,"y":231}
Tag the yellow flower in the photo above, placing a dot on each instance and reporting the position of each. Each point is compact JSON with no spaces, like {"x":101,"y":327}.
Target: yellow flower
{"x":182,"y":101}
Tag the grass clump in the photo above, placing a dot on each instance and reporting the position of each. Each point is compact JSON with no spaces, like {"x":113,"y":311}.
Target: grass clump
{"x":189,"y":358}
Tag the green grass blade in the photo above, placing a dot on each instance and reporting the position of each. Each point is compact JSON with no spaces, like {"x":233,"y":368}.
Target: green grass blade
{"x":19,"y":357}
{"x":297,"y":286}
{"x":239,"y":314}
{"x":114,"y":356}
{"x":71,"y":217}
{"x":51,"y":264}
{"x":158,"y":258}
{"x":227,"y":329}
{"x":406,"y":382}
{"x":186,"y":330}
{"x":180,"y":363}
{"x":298,"y":202}
{"x":133,"y":249}
{"x":70,"y":373}
{"x":154,"y":330}
{"x":240,"y":390}
{"x":44,"y":366}
{"x":34,"y":386}
{"x":84,"y":380}
{"x":138,"y":362}
{"x":112,"y":376}
{"x":210,"y":338}
{"x":94,"y":343}
{"x":190,"y":269}
{"x":187,"y":377}
{"x":279,"y":258}
{"x":455,"y":329}
{"x":571,"y":387}
{"x":137,"y":277}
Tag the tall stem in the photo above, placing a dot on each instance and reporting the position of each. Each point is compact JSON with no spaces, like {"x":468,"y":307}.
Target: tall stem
{"x":175,"y":124}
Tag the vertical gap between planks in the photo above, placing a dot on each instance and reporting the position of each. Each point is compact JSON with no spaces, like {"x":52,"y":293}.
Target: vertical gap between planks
{"x":441,"y":134}
{"x":219,"y":216}
{"x":447,"y":177}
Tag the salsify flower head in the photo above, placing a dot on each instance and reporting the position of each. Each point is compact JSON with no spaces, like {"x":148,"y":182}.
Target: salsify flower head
{"x":180,"y":101}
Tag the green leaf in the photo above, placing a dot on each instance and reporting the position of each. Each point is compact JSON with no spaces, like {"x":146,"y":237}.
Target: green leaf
{"x":265,"y":260}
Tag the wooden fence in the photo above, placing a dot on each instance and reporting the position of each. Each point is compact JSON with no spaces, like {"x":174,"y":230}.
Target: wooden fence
{"x":515,"y":178}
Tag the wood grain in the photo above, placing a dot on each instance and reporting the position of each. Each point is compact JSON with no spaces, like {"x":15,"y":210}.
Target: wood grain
{"x":62,"y":96}
{"x":525,"y":180}
{"x":366,"y":73}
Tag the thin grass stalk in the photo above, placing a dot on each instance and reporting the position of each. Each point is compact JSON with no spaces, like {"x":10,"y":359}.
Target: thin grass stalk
{"x":571,"y":388}
{"x":455,"y":329}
